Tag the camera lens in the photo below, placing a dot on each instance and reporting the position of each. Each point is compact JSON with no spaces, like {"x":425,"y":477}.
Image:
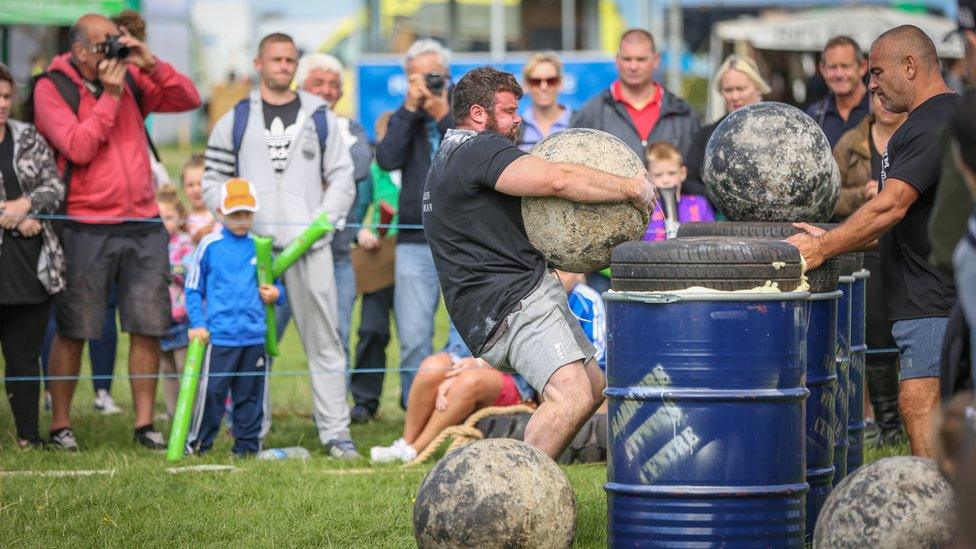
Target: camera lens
{"x":436,"y":82}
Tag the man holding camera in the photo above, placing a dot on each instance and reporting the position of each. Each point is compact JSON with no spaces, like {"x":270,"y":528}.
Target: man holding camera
{"x":91,"y":107}
{"x":413,"y":136}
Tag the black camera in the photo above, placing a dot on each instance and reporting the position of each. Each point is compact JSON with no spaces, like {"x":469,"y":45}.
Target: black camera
{"x":435,"y":82}
{"x":112,"y":48}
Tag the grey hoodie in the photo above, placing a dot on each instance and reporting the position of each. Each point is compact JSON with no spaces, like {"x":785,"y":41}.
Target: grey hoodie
{"x":309,"y":185}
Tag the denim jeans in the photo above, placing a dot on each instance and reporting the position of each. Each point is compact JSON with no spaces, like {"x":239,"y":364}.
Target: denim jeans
{"x":415,"y":304}
{"x":345,"y":279}
{"x":964,"y":261}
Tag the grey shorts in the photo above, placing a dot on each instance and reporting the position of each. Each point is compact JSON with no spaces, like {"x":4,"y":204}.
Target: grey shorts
{"x":136,"y":265}
{"x":919,"y":346}
{"x":540,"y":336}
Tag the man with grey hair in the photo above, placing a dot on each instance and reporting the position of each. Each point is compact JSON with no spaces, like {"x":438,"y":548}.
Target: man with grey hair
{"x":321,"y":74}
{"x":412,"y":138}
{"x":905,"y":75}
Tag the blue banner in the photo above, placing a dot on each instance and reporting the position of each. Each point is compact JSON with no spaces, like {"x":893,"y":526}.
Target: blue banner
{"x":383,"y":85}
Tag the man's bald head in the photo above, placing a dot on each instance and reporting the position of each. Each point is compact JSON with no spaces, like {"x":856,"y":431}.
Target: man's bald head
{"x":908,"y":40}
{"x":904,"y":67}
{"x":637,"y":36}
{"x":90,"y":28}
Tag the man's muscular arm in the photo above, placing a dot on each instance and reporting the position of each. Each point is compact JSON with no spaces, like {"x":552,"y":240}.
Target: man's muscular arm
{"x":531,"y":176}
{"x":876,"y":217}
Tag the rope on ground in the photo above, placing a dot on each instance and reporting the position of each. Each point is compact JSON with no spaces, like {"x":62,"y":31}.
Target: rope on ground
{"x":467,"y":432}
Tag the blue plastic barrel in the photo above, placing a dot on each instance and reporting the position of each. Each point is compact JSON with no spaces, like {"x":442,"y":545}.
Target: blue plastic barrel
{"x":859,"y":347}
{"x":822,"y":383}
{"x":842,"y":402}
{"x":706,"y":405}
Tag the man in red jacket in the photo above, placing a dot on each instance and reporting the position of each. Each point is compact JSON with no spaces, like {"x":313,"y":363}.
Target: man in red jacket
{"x":113,"y":239}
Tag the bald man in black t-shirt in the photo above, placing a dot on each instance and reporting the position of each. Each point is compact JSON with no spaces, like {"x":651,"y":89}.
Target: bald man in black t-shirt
{"x":905,"y":75}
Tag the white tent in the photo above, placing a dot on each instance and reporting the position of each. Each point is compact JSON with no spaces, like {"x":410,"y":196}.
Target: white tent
{"x":808,"y":31}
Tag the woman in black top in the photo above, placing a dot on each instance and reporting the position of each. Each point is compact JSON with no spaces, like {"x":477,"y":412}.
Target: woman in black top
{"x":739,"y":82}
{"x":31,"y":261}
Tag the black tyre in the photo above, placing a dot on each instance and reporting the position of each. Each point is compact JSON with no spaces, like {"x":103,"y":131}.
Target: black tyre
{"x":714,"y":262}
{"x":506,"y":426}
{"x":751,"y":229}
{"x":590,"y":443}
{"x":822,"y":279}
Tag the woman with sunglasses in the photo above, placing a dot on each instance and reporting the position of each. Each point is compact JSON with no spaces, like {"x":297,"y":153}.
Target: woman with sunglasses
{"x":739,"y":82}
{"x":543,"y":78}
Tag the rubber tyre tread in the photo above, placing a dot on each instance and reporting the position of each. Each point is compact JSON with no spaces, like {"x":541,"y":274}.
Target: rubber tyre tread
{"x":506,"y":426}
{"x":749,"y":229}
{"x":823,"y":279}
{"x":721,"y":263}
{"x":590,"y":443}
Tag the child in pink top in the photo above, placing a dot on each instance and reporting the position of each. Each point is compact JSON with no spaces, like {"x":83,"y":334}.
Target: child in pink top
{"x":173,"y":345}
{"x":667,"y":170}
{"x":200,"y":221}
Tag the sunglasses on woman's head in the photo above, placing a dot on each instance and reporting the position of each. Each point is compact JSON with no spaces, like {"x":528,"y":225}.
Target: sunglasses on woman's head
{"x":552,"y":81}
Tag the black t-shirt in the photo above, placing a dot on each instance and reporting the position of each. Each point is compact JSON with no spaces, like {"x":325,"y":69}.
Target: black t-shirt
{"x":19,"y":284}
{"x":915,"y":288}
{"x":279,"y":125}
{"x":484,"y":260}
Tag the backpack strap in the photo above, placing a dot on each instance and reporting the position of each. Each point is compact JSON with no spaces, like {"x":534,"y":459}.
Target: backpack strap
{"x":242,"y":110}
{"x":130,"y":81}
{"x":321,"y":125}
{"x":69,"y":92}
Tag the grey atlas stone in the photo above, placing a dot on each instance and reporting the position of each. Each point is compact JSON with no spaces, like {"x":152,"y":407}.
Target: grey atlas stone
{"x":771,"y":162}
{"x":495,"y":493}
{"x":897,"y":502}
{"x":579,"y":237}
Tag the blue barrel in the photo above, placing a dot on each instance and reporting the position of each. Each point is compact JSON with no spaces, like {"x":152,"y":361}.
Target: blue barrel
{"x":706,"y":405}
{"x":822,"y":383}
{"x":859,"y":347}
{"x":842,"y":402}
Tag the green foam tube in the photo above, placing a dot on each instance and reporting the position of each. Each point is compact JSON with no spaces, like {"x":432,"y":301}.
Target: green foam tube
{"x":262,"y":249}
{"x":184,"y":404}
{"x":606,"y":272}
{"x":319,"y":228}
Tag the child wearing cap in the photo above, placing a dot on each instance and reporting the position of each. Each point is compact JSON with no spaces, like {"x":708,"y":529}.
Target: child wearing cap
{"x":226,"y":308}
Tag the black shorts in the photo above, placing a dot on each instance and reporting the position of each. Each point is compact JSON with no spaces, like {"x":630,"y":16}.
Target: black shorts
{"x":137,"y":264}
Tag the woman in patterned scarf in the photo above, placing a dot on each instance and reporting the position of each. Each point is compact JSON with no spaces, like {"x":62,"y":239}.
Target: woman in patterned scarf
{"x":31,"y":260}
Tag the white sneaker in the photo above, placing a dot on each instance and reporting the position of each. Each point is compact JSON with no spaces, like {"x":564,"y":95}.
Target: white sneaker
{"x":105,"y":404}
{"x":398,"y":451}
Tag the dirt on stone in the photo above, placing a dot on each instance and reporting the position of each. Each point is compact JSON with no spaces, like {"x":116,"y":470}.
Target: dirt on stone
{"x":579,"y":237}
{"x":495,"y":493}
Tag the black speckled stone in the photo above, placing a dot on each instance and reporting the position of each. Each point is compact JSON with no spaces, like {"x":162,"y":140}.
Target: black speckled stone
{"x":771,"y":162}
{"x":579,"y":237}
{"x":896,"y":503}
{"x":495,"y":493}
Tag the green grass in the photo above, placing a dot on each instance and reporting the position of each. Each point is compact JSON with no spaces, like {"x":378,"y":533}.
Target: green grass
{"x":290,"y":503}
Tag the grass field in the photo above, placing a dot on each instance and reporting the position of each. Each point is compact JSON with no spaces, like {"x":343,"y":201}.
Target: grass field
{"x":289,"y":503}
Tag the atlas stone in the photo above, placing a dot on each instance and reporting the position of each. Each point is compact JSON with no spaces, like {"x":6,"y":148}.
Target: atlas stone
{"x":495,"y":493}
{"x":579,"y":237}
{"x":896,"y":502}
{"x":771,"y":162}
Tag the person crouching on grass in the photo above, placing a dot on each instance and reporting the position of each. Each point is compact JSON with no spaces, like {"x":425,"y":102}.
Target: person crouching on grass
{"x":226,"y":308}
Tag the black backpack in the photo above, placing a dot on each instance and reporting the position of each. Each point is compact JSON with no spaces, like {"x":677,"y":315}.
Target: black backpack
{"x":69,"y":92}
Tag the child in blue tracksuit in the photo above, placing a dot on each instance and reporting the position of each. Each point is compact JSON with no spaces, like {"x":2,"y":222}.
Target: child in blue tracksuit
{"x":226,"y":308}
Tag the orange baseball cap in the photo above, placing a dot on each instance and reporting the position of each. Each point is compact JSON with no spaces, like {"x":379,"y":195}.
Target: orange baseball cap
{"x":237,"y":195}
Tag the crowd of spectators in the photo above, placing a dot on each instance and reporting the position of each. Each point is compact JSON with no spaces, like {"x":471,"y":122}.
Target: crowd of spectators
{"x":136,"y":248}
